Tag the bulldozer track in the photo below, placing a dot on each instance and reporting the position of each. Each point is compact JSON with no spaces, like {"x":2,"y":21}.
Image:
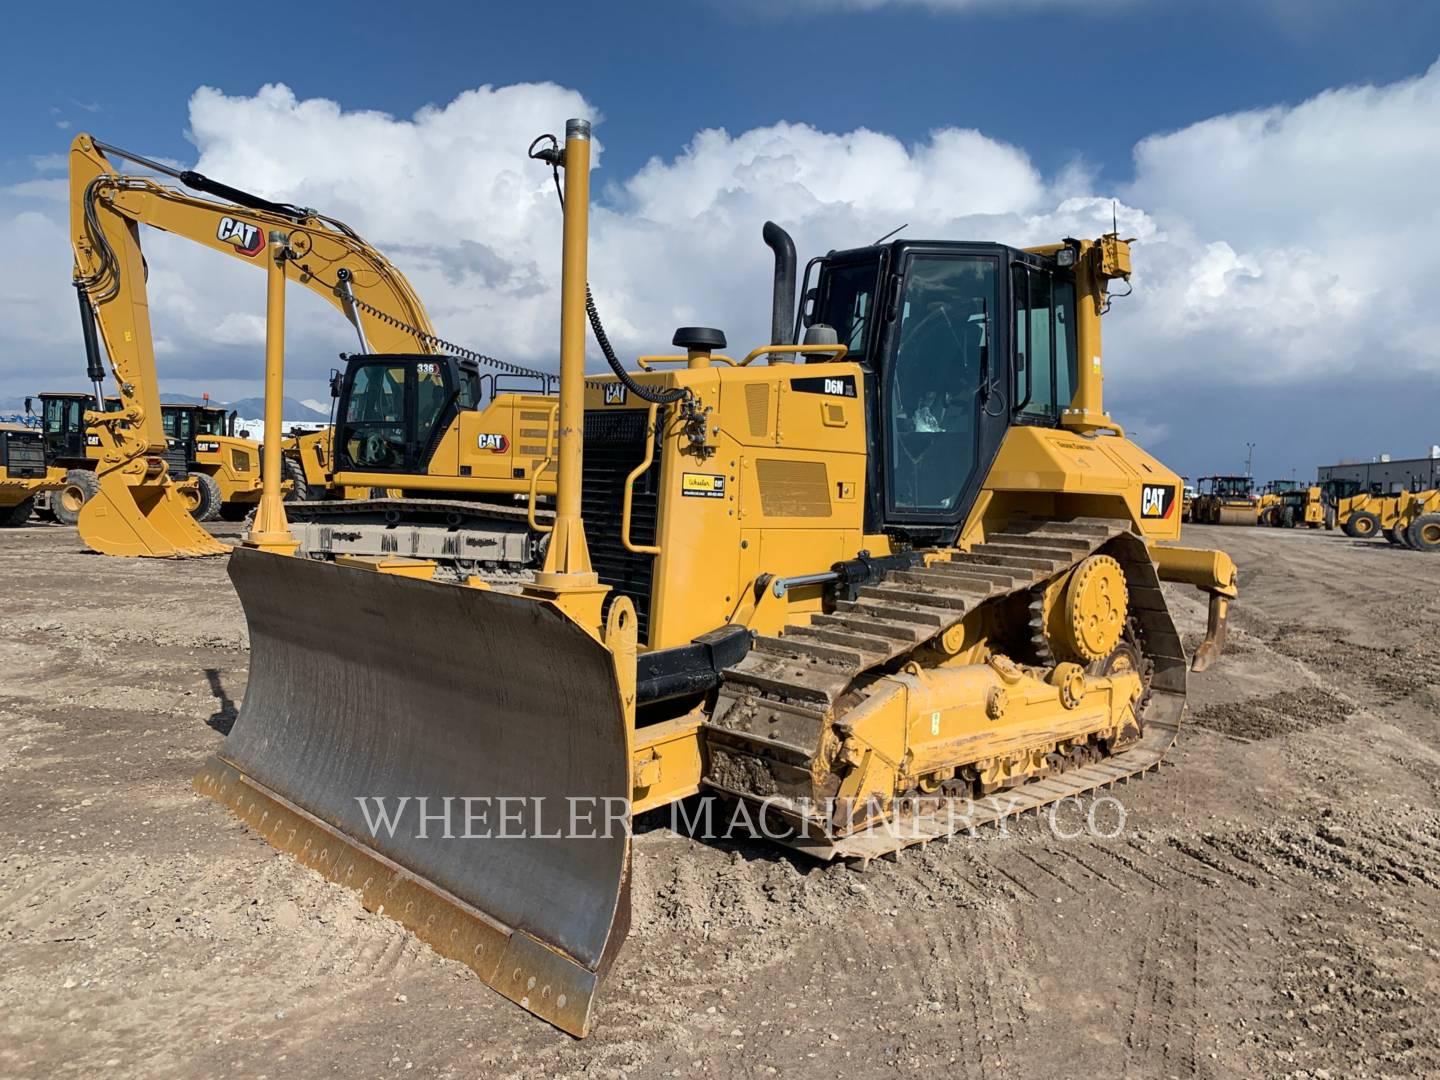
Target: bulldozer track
{"x":817,"y":671}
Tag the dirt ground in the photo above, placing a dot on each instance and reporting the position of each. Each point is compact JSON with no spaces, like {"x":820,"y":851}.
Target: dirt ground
{"x":1270,"y":908}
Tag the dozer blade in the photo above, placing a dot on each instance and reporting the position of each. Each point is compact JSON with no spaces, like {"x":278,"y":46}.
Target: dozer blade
{"x":366,"y":686}
{"x":145,"y":520}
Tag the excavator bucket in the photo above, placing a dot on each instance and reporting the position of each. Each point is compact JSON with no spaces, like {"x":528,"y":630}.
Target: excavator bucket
{"x":146,"y":520}
{"x":459,"y":756}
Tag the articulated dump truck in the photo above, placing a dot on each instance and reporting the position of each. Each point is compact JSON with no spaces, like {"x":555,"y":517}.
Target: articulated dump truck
{"x":893,"y":581}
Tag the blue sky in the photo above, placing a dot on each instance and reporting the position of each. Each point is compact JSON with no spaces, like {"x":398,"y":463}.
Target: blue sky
{"x":1060,"y":95}
{"x":1066,"y":80}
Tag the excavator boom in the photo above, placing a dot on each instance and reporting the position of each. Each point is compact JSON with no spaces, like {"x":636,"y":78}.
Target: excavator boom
{"x":138,"y":508}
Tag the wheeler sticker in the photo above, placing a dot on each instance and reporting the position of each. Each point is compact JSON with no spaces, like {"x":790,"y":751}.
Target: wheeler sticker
{"x":829,"y":385}
{"x":248,"y":239}
{"x":615,"y":393}
{"x":1157,"y":501}
{"x":495,"y":443}
{"x":702,"y":485}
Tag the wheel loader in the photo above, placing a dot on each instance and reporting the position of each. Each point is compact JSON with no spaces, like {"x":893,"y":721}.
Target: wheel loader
{"x":224,"y":468}
{"x":217,"y":474}
{"x":1225,"y":500}
{"x":1416,"y":521}
{"x":1405,"y":519}
{"x":1285,"y":507}
{"x":891,"y":575}
{"x":472,"y":452}
{"x":24,"y":476}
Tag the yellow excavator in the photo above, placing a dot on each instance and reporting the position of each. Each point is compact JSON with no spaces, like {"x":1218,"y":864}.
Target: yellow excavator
{"x":409,"y":417}
{"x":891,"y":582}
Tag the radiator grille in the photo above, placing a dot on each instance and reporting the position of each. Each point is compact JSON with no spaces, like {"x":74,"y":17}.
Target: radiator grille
{"x":24,"y":455}
{"x":614,"y":445}
{"x":793,"y":488}
{"x":178,"y":458}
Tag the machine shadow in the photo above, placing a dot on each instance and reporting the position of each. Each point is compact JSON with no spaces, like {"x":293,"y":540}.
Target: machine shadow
{"x":223,"y":718}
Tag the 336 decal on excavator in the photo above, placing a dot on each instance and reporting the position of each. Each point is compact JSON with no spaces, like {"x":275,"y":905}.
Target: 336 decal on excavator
{"x":1156,"y":501}
{"x":248,"y":239}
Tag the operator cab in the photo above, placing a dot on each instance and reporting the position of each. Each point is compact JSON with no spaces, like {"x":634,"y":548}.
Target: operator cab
{"x":958,"y":341}
{"x":62,"y":424}
{"x":392,"y":409}
{"x":1228,"y":487}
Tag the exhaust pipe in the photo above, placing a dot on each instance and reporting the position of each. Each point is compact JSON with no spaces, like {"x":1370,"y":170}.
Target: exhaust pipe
{"x":782,"y":308}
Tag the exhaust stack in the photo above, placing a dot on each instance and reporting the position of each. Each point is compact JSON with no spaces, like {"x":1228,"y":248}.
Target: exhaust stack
{"x":782,"y":306}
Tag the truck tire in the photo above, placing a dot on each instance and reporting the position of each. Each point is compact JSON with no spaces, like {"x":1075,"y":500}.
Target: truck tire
{"x":12,"y":517}
{"x":80,"y":485}
{"x":1396,"y":535}
{"x":299,"y":489}
{"x":1363,"y":525}
{"x":1425,"y":533}
{"x":1287,"y":517}
{"x":208,"y":488}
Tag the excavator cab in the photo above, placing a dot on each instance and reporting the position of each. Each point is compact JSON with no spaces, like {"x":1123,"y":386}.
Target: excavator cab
{"x":391,"y":409}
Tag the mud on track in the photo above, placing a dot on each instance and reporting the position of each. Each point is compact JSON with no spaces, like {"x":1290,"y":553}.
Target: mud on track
{"x":1271,"y":908}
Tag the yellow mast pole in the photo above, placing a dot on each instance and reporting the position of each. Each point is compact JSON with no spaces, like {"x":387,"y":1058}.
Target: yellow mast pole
{"x":567,"y":576}
{"x":271,"y":530}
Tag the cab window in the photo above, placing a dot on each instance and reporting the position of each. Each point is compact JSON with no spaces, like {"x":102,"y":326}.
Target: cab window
{"x":374,"y":435}
{"x":1044,"y":343}
{"x":848,"y":304}
{"x":431,"y":398}
{"x":62,"y":415}
{"x":935,"y":379}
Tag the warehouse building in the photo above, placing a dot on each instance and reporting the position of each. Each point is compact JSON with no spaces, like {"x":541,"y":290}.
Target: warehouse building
{"x":1386,"y":476}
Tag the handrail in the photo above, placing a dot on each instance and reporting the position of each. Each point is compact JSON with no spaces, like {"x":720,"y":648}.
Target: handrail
{"x":535,"y":476}
{"x":530,"y":506}
{"x":646,"y":361}
{"x":645,"y":463}
{"x":839,"y":351}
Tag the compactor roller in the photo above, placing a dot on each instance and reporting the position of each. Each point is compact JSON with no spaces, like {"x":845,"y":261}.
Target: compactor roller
{"x":895,"y":580}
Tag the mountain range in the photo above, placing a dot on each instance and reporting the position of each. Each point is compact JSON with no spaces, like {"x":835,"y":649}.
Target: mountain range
{"x":251,"y":408}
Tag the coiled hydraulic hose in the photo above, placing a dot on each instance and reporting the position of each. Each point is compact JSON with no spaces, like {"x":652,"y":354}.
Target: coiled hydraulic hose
{"x":553,"y":156}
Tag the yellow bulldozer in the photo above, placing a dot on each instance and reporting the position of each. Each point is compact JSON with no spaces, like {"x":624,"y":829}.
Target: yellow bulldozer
{"x":890,"y":582}
{"x":1225,"y":500}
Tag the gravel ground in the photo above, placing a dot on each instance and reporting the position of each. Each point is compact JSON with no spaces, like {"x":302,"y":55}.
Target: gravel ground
{"x":1271,"y":906}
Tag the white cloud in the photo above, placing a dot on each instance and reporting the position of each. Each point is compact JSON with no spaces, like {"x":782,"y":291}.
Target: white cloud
{"x":1274,"y":245}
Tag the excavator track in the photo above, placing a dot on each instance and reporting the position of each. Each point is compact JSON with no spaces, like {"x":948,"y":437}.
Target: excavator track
{"x":789,"y":686}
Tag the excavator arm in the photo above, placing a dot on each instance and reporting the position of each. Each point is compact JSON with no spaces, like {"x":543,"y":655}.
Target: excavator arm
{"x":141,"y":513}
